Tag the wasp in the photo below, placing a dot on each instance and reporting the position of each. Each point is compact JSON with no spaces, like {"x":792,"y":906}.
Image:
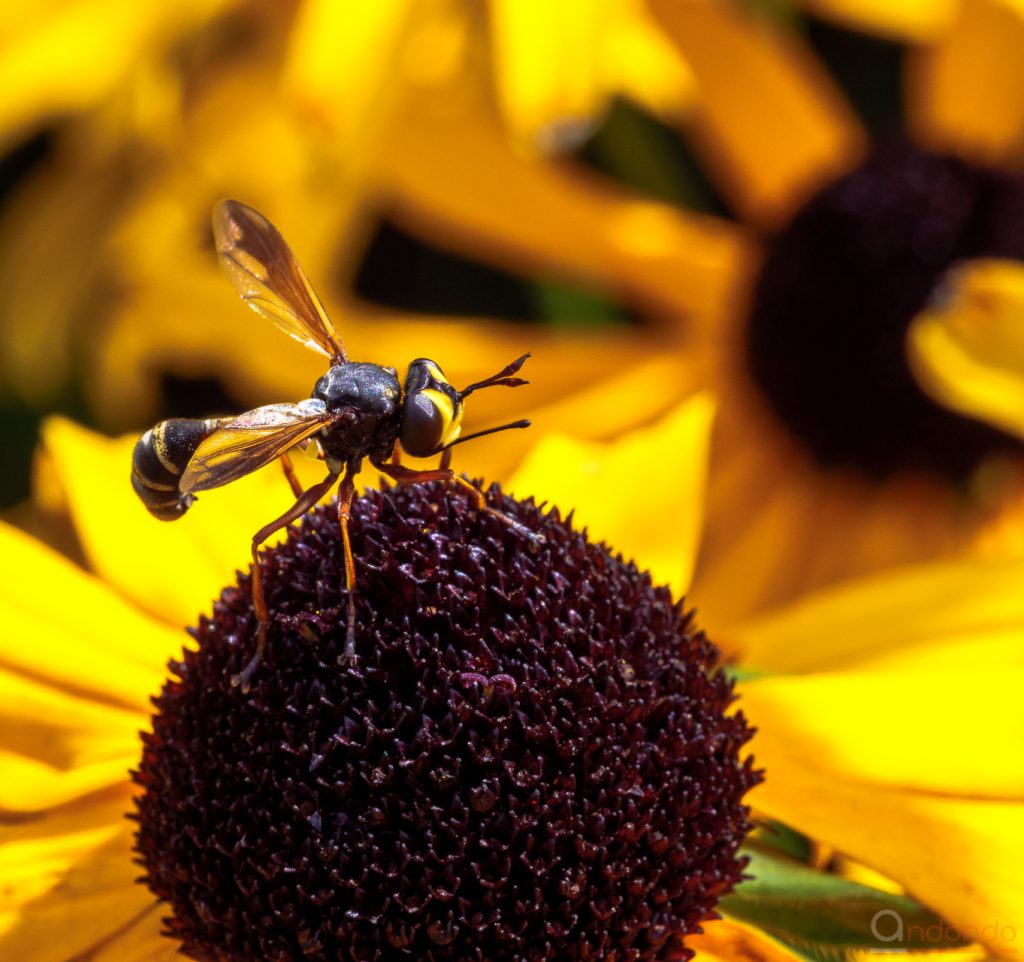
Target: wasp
{"x":356,"y":411}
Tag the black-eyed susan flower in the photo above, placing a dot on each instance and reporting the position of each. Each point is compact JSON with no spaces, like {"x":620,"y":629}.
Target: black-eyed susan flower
{"x":797,"y":318}
{"x":259,"y":814}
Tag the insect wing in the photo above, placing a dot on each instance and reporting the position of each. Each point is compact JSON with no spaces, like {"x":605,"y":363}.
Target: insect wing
{"x":243,"y":444}
{"x":263,"y":270}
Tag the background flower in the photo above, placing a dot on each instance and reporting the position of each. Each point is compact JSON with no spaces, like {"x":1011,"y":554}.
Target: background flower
{"x":677,"y":236}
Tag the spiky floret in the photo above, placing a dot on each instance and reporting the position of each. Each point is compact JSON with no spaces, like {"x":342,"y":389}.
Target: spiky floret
{"x":532,"y":759}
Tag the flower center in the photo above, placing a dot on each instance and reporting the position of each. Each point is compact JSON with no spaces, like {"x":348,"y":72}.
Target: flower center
{"x":532,"y":758}
{"x":839,"y":287}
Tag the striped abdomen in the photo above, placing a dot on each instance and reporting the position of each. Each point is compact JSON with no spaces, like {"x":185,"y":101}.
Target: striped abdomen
{"x":160,"y":457}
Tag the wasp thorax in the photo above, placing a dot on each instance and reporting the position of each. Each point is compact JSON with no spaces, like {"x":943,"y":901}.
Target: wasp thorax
{"x":368,"y":388}
{"x":369,"y":399}
{"x":534,"y":757}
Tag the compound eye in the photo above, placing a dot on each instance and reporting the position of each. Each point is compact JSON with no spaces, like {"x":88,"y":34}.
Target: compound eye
{"x":422,"y":426}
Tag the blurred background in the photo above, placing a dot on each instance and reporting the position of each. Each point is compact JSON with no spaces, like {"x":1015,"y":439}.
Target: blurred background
{"x":755,"y":197}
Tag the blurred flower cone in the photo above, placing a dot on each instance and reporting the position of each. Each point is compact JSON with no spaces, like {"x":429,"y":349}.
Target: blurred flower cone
{"x":927,"y":797}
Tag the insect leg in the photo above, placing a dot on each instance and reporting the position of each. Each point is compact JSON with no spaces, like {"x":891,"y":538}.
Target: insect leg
{"x":405,"y":475}
{"x":446,"y":459}
{"x":289,"y":473}
{"x":305,"y":501}
{"x":345,"y":493}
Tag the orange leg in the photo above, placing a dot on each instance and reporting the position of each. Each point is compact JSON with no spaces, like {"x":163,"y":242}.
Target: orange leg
{"x":289,"y":473}
{"x":345,"y":494}
{"x":408,"y":476}
{"x":307,"y":499}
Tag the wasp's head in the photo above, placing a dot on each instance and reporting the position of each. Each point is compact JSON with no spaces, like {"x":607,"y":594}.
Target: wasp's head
{"x":432,"y":410}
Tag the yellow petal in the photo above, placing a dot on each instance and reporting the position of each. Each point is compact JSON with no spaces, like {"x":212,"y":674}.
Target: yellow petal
{"x":357,"y":49}
{"x":547,"y":64}
{"x":964,"y":90}
{"x":767,"y":117}
{"x":456,"y":179}
{"x":143,"y":940}
{"x":171,"y":569}
{"x":913,"y":21}
{"x":29,"y":786}
{"x":960,"y":856}
{"x":69,"y":884}
{"x":727,"y":940}
{"x":58,"y":57}
{"x":642,"y":494}
{"x":597,"y":411}
{"x":955,"y":733}
{"x":644,"y":64}
{"x":905,"y":610}
{"x":57,"y":747}
{"x":556,"y":65}
{"x":967,"y":349}
{"x":67,"y":630}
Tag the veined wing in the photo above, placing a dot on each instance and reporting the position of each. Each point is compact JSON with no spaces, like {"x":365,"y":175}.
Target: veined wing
{"x":241,"y":445}
{"x":264,"y":271}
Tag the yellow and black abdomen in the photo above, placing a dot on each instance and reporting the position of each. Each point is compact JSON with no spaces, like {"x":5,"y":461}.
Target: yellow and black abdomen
{"x":160,"y":457}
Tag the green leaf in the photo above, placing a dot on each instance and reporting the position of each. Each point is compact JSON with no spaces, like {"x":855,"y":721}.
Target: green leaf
{"x":777,"y":837}
{"x":742,"y":673}
{"x":826,"y":915}
{"x":567,"y":306}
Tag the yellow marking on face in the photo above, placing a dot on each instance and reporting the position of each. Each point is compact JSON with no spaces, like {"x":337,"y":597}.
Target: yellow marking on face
{"x":435,"y":372}
{"x":450,"y":417}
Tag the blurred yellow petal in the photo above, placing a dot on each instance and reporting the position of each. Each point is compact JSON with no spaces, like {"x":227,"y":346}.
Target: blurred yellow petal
{"x":769,"y":503}
{"x":915,"y":730}
{"x":556,"y":65}
{"x":338,"y":47}
{"x":455,"y":179}
{"x":964,"y":90}
{"x":48,"y":272}
{"x":908,"y":21}
{"x":960,"y":856}
{"x":643,"y":494}
{"x":62,"y":56}
{"x":547,"y":65}
{"x":57,"y":747}
{"x":143,"y":941}
{"x":28,"y":786}
{"x":173,"y":570}
{"x":596,"y":410}
{"x":900,"y":610}
{"x":643,"y":63}
{"x":65,"y":629}
{"x":732,"y":941}
{"x":967,"y":349}
{"x":83,"y":852}
{"x":767,"y":116}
